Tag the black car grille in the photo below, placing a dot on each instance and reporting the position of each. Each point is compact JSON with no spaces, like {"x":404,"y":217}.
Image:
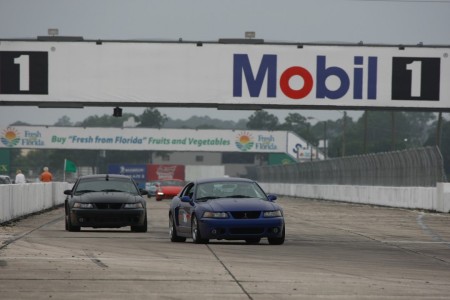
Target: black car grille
{"x":246,"y":214}
{"x":108,"y":205}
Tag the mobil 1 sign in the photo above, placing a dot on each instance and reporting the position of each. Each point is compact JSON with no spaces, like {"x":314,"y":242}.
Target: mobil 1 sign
{"x":416,"y":78}
{"x":214,"y":75}
{"x":23,"y":72}
{"x":346,"y":76}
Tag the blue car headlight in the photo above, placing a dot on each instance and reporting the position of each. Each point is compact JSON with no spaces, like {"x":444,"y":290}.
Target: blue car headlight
{"x":273,"y":214}
{"x":215,"y":215}
{"x":83,"y":205}
{"x":133,"y":205}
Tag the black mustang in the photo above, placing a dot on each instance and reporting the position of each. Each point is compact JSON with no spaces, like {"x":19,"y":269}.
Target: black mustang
{"x":105,"y":201}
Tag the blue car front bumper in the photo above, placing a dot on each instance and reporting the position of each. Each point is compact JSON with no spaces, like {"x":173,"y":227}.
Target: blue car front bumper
{"x":238,"y":229}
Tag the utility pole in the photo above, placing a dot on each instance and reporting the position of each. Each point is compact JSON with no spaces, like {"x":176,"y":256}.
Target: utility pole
{"x":325,"y":139}
{"x":343,"y":132}
{"x":366,"y":116}
{"x":393,"y":131}
{"x":439,"y":130}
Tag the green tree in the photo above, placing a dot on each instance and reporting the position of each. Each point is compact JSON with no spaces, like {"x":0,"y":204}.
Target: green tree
{"x":444,"y":143}
{"x":300,"y":125}
{"x":341,"y":137}
{"x":379,"y":131}
{"x":152,"y":118}
{"x":262,"y":120}
{"x":105,"y":121}
{"x":64,"y":121}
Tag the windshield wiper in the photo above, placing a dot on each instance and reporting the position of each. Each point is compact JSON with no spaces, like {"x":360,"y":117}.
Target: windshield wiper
{"x":84,"y":192}
{"x":239,"y":196}
{"x":203,"y":199}
{"x":113,"y":190}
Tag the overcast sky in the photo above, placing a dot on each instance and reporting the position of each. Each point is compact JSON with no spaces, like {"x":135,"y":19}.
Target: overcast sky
{"x":342,"y":21}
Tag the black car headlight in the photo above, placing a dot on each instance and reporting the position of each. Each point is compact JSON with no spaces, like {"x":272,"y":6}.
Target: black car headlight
{"x":83,"y":205}
{"x":215,"y":215}
{"x":273,"y":214}
{"x":133,"y":205}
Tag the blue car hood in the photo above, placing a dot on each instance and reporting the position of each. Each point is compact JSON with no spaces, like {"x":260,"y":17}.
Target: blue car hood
{"x":239,"y":204}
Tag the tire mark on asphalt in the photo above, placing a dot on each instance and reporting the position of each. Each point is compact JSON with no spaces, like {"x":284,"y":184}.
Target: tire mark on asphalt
{"x":230,"y":273}
{"x":403,"y":248}
{"x":94,"y":259}
{"x":24,"y":234}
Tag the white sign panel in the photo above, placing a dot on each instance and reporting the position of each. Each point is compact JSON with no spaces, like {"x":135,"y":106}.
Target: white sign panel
{"x":36,"y":137}
{"x":210,"y":75}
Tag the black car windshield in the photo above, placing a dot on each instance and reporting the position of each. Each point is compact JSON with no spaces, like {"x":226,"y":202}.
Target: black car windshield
{"x":5,"y":180}
{"x":90,"y":185}
{"x":228,"y":189}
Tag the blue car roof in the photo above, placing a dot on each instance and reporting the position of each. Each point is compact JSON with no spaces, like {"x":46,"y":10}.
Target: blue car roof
{"x":223,"y":179}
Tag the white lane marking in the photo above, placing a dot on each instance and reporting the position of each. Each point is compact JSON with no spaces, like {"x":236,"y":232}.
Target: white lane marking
{"x":414,"y":242}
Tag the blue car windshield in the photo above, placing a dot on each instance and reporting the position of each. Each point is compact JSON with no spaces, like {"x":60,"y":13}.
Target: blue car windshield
{"x":102,"y":185}
{"x":228,"y":189}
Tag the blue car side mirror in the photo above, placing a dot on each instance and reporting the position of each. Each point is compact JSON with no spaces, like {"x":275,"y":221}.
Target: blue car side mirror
{"x":186,"y":199}
{"x":272,"y":197}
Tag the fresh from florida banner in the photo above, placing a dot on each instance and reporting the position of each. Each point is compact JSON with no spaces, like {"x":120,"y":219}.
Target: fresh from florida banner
{"x":40,"y":137}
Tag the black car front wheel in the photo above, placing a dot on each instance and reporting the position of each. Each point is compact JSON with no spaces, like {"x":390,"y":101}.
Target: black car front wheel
{"x":69,"y":226}
{"x":140,"y":228}
{"x":196,"y":236}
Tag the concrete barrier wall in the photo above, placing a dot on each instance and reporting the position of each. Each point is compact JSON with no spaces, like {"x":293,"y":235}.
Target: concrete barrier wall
{"x":430,"y":198}
{"x":18,"y":200}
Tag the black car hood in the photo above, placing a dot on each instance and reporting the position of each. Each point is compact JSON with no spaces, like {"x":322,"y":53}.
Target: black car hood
{"x":239,"y":204}
{"x":108,"y":197}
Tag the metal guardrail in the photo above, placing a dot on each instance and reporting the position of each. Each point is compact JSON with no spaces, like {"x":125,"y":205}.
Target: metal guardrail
{"x":412,"y":167}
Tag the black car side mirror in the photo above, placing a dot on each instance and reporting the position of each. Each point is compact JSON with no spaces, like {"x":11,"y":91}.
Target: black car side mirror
{"x":143,"y":192}
{"x":68,"y":192}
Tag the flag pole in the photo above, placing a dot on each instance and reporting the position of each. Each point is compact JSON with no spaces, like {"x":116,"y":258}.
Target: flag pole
{"x":64,"y":170}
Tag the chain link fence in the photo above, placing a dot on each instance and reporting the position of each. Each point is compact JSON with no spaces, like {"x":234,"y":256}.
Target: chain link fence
{"x":413,"y":167}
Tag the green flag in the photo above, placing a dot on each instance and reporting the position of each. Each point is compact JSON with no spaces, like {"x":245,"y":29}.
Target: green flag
{"x":70,"y":166}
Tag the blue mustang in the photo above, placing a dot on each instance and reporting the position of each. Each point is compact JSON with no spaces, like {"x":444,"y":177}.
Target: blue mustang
{"x":225,"y":208}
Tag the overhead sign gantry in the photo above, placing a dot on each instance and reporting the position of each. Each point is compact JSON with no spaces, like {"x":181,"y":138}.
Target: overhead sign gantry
{"x":64,"y":73}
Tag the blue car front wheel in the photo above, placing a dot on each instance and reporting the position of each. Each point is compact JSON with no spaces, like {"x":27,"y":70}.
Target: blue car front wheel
{"x":173,"y":232}
{"x":277,"y":241}
{"x":196,"y":235}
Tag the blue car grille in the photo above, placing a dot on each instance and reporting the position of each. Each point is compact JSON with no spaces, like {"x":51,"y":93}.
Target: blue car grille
{"x":246,"y":214}
{"x":246,"y":230}
{"x":108,"y":205}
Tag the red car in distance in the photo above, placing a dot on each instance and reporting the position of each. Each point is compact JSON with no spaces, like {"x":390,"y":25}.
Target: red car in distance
{"x":169,"y":188}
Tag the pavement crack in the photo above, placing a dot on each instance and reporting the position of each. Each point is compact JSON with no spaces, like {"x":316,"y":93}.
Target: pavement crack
{"x":230,"y":273}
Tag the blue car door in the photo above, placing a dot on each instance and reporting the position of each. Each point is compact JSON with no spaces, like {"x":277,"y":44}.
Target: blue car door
{"x":185,"y":210}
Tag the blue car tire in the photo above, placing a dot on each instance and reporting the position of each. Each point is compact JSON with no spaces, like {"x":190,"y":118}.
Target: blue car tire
{"x":277,"y":241}
{"x":196,"y":235}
